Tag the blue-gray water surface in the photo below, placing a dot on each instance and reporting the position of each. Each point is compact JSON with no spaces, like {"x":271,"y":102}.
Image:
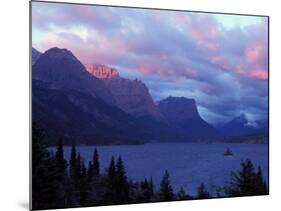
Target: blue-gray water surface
{"x":189,"y":164}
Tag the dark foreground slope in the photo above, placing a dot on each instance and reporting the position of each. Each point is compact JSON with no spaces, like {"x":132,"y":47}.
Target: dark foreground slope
{"x":75,"y":116}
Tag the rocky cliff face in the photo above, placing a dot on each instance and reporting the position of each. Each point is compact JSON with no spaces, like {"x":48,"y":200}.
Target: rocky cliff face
{"x":69,"y":101}
{"x":132,"y":96}
{"x":101,"y":71}
{"x":179,"y":108}
{"x":182,"y":113}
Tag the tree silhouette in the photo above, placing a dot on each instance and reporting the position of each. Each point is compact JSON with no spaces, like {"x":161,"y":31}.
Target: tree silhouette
{"x":73,"y":162}
{"x":202,"y":192}
{"x":55,"y":187}
{"x":44,"y":183}
{"x":181,"y":195}
{"x":166,"y":190}
{"x":83,"y":186}
{"x":121,"y":184}
{"x":90,"y":172}
{"x":247,"y":182}
{"x":61,"y":174}
{"x":146,"y":190}
{"x":151,"y":187}
{"x":96,"y":165}
{"x":110,"y":193}
{"x":261,"y":185}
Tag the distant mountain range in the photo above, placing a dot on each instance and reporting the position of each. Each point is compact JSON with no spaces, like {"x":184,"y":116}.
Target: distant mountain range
{"x":93,"y":104}
{"x":240,"y":126}
{"x":260,"y":137}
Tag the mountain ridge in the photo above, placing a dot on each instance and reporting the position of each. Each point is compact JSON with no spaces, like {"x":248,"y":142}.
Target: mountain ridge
{"x":35,"y":55}
{"x":101,"y":71}
{"x":108,"y":107}
{"x":62,"y":70}
{"x":241,"y":125}
{"x":132,"y":96}
{"x":183,"y":113}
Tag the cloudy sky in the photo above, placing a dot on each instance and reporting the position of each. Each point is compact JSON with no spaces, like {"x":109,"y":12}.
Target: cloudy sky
{"x":219,"y":60}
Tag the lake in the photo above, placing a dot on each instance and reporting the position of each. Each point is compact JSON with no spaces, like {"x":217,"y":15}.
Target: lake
{"x":188,"y":164}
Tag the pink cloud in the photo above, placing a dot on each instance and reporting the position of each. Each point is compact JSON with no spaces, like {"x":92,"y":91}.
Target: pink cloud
{"x":87,"y":51}
{"x":146,"y":68}
{"x":163,"y":67}
{"x":207,"y":35}
{"x":220,"y":61}
{"x":190,"y":72}
{"x":254,"y":53}
{"x":182,"y":18}
{"x":172,"y":52}
{"x":256,"y":73}
{"x":260,"y":74}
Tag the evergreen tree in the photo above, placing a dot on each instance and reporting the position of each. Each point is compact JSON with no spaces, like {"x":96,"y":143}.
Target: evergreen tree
{"x":44,"y":182}
{"x":202,"y":192}
{"x":121,"y":182}
{"x":96,"y":187}
{"x":261,"y":186}
{"x":166,"y":190}
{"x":60,"y":162}
{"x":61,"y":174}
{"x":96,"y":165}
{"x":247,"y":182}
{"x":151,"y":187}
{"x":90,"y":172}
{"x":83,"y":186}
{"x":73,"y":163}
{"x":111,"y":171}
{"x":73,"y":183}
{"x":181,"y":195}
{"x":78,"y":168}
{"x":110,"y":193}
{"x":146,"y":192}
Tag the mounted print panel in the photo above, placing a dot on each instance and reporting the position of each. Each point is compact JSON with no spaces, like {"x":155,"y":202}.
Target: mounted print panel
{"x":137,"y":105}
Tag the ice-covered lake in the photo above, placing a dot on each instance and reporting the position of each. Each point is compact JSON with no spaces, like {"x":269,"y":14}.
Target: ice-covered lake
{"x":188,"y":164}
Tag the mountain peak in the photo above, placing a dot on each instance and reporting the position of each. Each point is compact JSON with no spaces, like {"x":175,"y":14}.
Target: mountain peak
{"x":62,"y":70}
{"x":35,"y":51}
{"x":132,"y":96}
{"x":182,"y":103}
{"x":35,"y":55}
{"x":241,"y":125}
{"x":182,"y":113}
{"x":102,"y":71}
{"x":242,"y":118}
{"x":60,"y":53}
{"x":181,"y":107}
{"x":180,"y":99}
